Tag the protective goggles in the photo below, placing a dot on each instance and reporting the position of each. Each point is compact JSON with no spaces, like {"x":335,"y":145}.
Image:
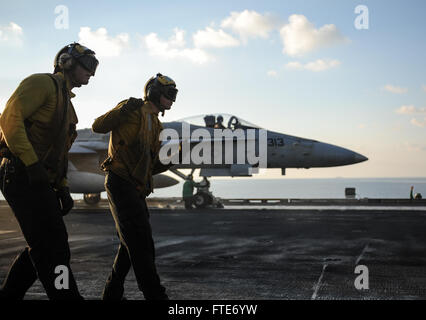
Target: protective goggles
{"x":88,"y":62}
{"x":84,"y":56}
{"x":170,"y":92}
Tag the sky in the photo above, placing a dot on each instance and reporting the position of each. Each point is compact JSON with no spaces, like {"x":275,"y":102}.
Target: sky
{"x":349,"y":73}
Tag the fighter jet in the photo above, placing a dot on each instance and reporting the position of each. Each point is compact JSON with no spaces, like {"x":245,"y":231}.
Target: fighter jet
{"x":193,"y":144}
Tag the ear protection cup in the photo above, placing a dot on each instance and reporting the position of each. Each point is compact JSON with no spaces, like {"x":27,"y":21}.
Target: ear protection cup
{"x":154,"y":94}
{"x":65,"y":61}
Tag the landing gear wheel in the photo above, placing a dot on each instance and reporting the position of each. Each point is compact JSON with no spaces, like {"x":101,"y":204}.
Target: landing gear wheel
{"x":92,"y":198}
{"x":201,"y":200}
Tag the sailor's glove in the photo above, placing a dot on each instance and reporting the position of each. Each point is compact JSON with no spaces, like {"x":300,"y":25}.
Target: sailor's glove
{"x":131,"y":105}
{"x":65,"y":200}
{"x":37,"y":175}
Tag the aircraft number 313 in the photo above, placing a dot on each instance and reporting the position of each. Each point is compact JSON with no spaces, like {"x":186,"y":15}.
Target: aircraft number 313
{"x":275,"y":142}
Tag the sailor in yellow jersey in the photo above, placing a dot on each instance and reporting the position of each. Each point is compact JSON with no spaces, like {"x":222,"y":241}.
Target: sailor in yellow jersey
{"x":132,"y":160}
{"x":38,"y":126}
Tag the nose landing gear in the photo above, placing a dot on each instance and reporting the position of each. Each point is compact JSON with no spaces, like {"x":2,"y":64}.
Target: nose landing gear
{"x":203,"y":198}
{"x":92,"y":198}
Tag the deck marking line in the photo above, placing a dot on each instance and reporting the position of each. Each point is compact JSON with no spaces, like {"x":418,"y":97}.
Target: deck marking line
{"x":318,"y":284}
{"x":362,"y":254}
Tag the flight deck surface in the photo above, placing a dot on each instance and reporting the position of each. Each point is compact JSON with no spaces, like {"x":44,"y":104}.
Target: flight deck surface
{"x":251,"y":253}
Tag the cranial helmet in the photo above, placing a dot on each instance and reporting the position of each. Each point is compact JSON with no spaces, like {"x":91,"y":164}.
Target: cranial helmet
{"x":75,"y":53}
{"x":160,"y":85}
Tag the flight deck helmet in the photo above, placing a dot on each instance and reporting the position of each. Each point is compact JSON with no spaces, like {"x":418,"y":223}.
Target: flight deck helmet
{"x":160,"y":85}
{"x":73,"y":53}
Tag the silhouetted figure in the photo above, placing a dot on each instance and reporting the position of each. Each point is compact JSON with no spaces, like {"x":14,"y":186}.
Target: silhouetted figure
{"x":133,"y":158}
{"x":219,"y":123}
{"x":188,"y":192}
{"x":416,"y":196}
{"x":38,"y":127}
{"x":209,"y":121}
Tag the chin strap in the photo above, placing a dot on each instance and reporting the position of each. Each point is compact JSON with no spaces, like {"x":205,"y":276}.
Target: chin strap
{"x":161,"y":108}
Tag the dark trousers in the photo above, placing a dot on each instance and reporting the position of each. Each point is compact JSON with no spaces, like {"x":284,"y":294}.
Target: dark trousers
{"x":188,"y":202}
{"x":38,"y":213}
{"x":136,"y":248}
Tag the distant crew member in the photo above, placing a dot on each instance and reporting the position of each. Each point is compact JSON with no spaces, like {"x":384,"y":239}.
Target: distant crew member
{"x":38,"y":128}
{"x":209,"y":120}
{"x":188,"y":192}
{"x":132,"y":161}
{"x":417,"y":196}
{"x":219,"y":123}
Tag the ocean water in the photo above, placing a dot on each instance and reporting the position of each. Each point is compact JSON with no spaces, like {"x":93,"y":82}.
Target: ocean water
{"x":307,"y":188}
{"x":301,"y":188}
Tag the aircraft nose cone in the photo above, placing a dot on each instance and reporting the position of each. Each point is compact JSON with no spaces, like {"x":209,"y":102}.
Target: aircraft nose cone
{"x":328,"y":155}
{"x":345,"y":156}
{"x":359,"y":158}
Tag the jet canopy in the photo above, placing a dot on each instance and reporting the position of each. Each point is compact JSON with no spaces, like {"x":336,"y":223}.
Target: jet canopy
{"x":213,"y":120}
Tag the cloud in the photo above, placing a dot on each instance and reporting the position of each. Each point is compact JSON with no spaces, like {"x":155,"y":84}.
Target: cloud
{"x":316,"y":66}
{"x":174,"y":48}
{"x":362,"y":126}
{"x":410,"y":110}
{"x":424,"y":87}
{"x":395,"y":89}
{"x":321,"y":65}
{"x":210,"y":38}
{"x":419,"y":123}
{"x":249,"y":24}
{"x":294,"y":65}
{"x":103,"y":44}
{"x":299,"y":36}
{"x":11,"y":34}
{"x":414,"y":147}
{"x":272,"y":73}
